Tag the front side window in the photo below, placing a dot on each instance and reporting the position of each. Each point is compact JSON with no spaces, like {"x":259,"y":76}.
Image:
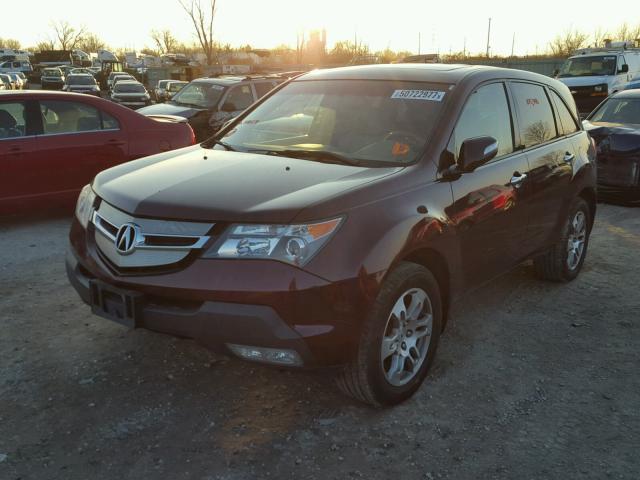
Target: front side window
{"x":239,"y":98}
{"x":618,"y":110}
{"x":68,"y":117}
{"x":12,"y":120}
{"x":369,"y":122}
{"x":567,"y":121}
{"x":535,"y":116}
{"x":589,"y":66}
{"x":486,"y":113}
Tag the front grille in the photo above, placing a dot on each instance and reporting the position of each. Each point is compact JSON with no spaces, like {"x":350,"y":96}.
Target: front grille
{"x":149,"y":243}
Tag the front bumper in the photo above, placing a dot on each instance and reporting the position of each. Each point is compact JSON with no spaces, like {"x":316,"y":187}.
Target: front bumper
{"x":216,"y":303}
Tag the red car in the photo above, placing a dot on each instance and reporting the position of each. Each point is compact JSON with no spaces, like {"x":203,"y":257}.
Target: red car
{"x":53,"y":143}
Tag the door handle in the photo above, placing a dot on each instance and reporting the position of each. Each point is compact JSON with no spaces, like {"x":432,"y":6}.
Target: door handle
{"x":568,"y":157}
{"x":15,"y":149}
{"x":517,"y":179}
{"x":115,"y":142}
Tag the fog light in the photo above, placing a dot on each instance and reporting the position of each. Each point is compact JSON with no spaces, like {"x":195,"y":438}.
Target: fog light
{"x":266,"y":355}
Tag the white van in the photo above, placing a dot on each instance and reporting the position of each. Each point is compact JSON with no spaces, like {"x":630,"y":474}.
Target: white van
{"x":594,"y":73}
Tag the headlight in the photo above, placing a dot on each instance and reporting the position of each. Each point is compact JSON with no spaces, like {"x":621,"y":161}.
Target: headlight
{"x":295,"y":244}
{"x":84,"y":207}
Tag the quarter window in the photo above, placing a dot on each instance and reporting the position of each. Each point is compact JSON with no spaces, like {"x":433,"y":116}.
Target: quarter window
{"x":535,"y":116}
{"x":567,"y":122}
{"x":486,"y":113}
{"x":12,"y":120}
{"x":68,"y":117}
{"x":108,"y":122}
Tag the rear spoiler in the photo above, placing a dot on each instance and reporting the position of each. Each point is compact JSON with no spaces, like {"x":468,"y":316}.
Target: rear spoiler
{"x":167,"y":118}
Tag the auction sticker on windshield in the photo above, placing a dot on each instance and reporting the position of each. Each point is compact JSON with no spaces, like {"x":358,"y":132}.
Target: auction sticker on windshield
{"x":432,"y":95}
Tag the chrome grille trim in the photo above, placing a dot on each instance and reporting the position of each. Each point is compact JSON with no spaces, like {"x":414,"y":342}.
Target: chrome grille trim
{"x":102,"y":225}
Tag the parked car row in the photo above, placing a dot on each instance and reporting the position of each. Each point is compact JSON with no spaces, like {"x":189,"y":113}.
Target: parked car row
{"x":14,"y":81}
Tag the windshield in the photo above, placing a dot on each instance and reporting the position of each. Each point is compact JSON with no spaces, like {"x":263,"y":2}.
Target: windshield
{"x":129,"y":88}
{"x":377,"y":122}
{"x":80,"y":80}
{"x":589,"y":66}
{"x":618,"y":110}
{"x":163,"y":83}
{"x":199,"y":94}
{"x":52,"y":73}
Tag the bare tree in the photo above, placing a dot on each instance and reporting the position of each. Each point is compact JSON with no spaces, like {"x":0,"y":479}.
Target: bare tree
{"x":626,"y":32}
{"x":202,"y":19}
{"x":46,"y":45}
{"x":565,"y":44}
{"x":599,"y":36}
{"x":91,"y":43}
{"x":164,"y":40}
{"x":11,"y":43}
{"x":68,"y":36}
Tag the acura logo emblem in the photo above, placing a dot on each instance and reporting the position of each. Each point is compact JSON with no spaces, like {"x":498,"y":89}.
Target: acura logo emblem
{"x":126,"y":238}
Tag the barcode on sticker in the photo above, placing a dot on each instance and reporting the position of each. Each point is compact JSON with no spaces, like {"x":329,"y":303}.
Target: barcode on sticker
{"x":433,"y":95}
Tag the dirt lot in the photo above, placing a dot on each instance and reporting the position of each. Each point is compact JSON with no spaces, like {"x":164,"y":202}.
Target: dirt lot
{"x":532,"y":381}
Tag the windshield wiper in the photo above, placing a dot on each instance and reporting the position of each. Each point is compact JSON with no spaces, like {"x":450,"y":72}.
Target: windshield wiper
{"x":220,"y":142}
{"x":317,"y":155}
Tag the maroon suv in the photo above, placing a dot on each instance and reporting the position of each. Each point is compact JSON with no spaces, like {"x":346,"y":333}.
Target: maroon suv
{"x":334,"y":221}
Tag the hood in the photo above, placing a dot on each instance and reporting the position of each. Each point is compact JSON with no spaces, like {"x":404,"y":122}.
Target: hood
{"x":615,"y":137}
{"x":129,"y":95}
{"x":586,"y":81}
{"x":200,"y":184}
{"x":170,"y":109}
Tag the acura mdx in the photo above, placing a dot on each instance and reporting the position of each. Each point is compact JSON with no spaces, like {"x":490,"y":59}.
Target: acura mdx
{"x":335,"y":221}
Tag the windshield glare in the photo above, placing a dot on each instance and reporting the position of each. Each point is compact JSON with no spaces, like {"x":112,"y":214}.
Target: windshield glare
{"x":201,"y":94}
{"x":588,"y":66}
{"x":618,"y":110}
{"x":129,"y":88}
{"x":378,"y":122}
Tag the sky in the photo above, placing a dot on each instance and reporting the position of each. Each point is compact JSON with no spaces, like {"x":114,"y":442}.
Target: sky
{"x":441,"y":26}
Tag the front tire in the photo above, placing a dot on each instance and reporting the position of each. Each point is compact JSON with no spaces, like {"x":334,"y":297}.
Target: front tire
{"x":563,"y":262}
{"x":398,"y":340}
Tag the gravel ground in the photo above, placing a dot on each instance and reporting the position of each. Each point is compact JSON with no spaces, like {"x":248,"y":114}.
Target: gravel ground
{"x":532,"y":381}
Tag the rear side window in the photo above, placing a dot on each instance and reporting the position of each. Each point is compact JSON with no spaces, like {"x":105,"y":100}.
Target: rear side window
{"x":239,"y":98}
{"x":108,"y":122}
{"x":68,"y":117}
{"x":263,"y":88}
{"x":486,"y":113}
{"x":12,"y":120}
{"x":534,"y":114}
{"x":567,"y":122}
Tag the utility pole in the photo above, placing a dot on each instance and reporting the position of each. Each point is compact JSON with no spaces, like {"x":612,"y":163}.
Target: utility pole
{"x":419,"y":43}
{"x":488,"y":36}
{"x":513,"y":42}
{"x":464,"y":48}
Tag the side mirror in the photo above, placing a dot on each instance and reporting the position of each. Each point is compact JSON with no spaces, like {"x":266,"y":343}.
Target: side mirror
{"x":475,"y":152}
{"x":556,"y":72}
{"x":228,"y":107}
{"x":624,"y":68}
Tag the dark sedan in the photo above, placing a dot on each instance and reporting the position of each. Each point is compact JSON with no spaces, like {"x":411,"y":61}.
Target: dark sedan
{"x":615,"y":126}
{"x":52,"y":143}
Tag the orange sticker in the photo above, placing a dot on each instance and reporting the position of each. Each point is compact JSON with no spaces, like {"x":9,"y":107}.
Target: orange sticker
{"x":400,"y":149}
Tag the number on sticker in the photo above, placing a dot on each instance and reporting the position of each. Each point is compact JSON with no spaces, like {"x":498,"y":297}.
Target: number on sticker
{"x":432,"y":95}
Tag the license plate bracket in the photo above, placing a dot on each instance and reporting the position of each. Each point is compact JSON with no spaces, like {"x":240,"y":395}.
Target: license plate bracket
{"x":116,"y":304}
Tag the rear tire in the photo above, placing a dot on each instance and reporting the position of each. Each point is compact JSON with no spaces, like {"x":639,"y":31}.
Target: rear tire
{"x":563,"y":262}
{"x":398,"y":340}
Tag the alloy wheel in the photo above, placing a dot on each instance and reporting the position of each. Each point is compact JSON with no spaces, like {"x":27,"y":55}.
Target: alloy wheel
{"x":407,"y":336}
{"x":576,"y":239}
